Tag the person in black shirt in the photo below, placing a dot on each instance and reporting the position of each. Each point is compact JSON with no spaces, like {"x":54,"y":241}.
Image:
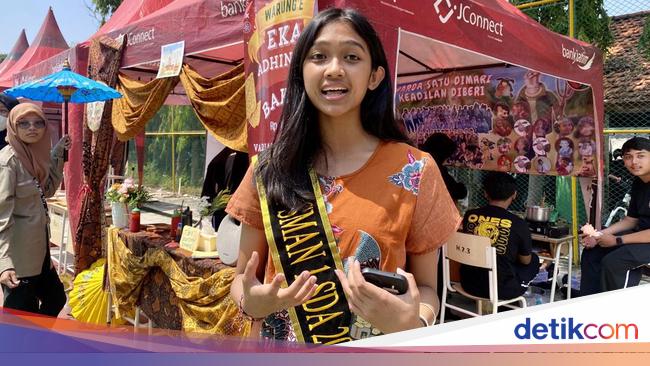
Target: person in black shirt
{"x":517,"y":264}
{"x":225,"y":171}
{"x":625,"y":245}
{"x":441,"y":147}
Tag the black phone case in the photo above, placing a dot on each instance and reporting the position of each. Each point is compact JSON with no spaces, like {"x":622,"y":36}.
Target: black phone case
{"x":393,"y":282}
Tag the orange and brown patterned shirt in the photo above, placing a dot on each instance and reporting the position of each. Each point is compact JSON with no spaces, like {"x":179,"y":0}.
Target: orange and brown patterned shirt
{"x":395,"y":205}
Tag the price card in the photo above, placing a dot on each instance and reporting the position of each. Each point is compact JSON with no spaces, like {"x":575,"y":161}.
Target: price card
{"x":190,"y":238}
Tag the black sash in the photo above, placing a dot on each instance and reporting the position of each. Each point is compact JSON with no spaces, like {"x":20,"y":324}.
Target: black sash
{"x":304,"y":241}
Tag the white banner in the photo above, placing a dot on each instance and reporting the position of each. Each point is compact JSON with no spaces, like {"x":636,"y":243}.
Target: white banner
{"x":613,"y":317}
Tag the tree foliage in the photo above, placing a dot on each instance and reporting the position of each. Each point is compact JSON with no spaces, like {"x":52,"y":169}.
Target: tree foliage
{"x":189,"y":150}
{"x":104,"y":8}
{"x":644,"y":41}
{"x":591,"y":20}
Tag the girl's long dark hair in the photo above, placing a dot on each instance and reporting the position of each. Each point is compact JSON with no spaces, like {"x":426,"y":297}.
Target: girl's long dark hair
{"x":284,"y":165}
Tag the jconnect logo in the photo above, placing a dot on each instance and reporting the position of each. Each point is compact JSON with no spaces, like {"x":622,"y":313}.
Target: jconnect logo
{"x":465,"y":14}
{"x":566,"y":328}
{"x":450,"y":11}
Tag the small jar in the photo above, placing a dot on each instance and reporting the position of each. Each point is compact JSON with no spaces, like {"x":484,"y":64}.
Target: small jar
{"x":134,"y":222}
{"x":176,"y":219}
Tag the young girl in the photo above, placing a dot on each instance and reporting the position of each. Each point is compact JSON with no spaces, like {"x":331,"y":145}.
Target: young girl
{"x":29,"y":173}
{"x":339,"y":190}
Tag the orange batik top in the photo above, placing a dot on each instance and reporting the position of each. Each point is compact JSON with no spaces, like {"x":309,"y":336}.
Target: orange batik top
{"x":395,"y":205}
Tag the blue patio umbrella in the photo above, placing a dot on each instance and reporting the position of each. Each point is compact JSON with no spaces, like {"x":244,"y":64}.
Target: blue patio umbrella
{"x":62,"y":87}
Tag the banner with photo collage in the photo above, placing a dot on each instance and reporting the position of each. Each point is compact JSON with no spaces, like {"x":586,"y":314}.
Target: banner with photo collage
{"x":505,"y":118}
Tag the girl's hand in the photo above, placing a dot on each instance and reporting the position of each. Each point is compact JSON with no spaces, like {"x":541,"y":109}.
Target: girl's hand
{"x":260,"y":300}
{"x":387,"y":312}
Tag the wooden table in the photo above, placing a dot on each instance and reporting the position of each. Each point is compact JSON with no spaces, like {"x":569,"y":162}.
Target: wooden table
{"x":558,"y":243}
{"x":157,"y":299}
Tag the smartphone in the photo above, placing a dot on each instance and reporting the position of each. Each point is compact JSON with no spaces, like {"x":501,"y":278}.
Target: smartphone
{"x":391,"y":282}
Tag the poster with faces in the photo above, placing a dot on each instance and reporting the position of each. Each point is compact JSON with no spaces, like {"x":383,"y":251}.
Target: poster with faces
{"x":506,"y":119}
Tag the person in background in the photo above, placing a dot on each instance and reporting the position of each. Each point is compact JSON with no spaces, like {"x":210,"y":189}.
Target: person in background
{"x":6,"y":104}
{"x":612,"y":257}
{"x":517,"y":264}
{"x":225,"y":171}
{"x":30,"y":171}
{"x":441,"y":147}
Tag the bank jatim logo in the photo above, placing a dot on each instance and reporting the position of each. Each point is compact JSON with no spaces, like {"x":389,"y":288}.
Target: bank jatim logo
{"x":448,"y":10}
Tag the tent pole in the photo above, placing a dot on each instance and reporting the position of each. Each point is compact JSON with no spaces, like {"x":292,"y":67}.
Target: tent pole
{"x":574,"y":180}
{"x":538,"y":3}
{"x":65,"y":125}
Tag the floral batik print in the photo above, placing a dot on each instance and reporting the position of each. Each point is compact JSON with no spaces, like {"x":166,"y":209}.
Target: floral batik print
{"x":409,"y":177}
{"x":330,"y":189}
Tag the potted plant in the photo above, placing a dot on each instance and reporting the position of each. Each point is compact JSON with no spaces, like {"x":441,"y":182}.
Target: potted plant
{"x":123,"y":197}
{"x":216,"y":208}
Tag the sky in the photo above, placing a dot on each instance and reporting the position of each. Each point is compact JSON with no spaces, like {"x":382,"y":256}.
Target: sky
{"x":77,"y":23}
{"x":75,"y":20}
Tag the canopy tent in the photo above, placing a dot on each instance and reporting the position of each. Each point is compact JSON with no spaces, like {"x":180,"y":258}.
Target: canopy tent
{"x":129,"y":11}
{"x":49,"y":42}
{"x":211,"y":31}
{"x":452,"y":37}
{"x":420,"y":40}
{"x":444,"y":36}
{"x":16,"y":52}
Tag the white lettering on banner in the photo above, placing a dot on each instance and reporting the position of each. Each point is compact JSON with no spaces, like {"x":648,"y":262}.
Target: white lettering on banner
{"x":261,"y":147}
{"x":581,"y":58}
{"x":466,"y":15}
{"x":141,"y":37}
{"x":274,"y":62}
{"x":276,"y":101}
{"x":232,"y":8}
{"x":279,"y":37}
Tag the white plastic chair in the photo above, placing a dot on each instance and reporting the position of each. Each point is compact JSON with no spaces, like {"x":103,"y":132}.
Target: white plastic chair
{"x":475,"y":251}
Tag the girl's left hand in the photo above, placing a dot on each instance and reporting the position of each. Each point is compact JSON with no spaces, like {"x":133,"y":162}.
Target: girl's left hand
{"x":64,"y":143}
{"x":387,"y":312}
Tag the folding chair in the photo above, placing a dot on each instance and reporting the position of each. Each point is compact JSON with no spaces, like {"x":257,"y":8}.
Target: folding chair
{"x":627,"y":274}
{"x":475,"y":251}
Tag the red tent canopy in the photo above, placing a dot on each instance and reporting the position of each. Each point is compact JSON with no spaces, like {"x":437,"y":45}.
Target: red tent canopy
{"x":425,"y":38}
{"x":16,"y":53}
{"x":211,"y":31}
{"x":129,"y":12}
{"x":49,"y":41}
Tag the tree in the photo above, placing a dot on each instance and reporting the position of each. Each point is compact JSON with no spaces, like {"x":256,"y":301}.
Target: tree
{"x":3,"y":56}
{"x":644,"y":41}
{"x":591,"y":20}
{"x":102,"y":9}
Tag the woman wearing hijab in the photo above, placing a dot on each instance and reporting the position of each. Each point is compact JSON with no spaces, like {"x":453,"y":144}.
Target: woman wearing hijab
{"x":6,"y":104}
{"x":30,"y":171}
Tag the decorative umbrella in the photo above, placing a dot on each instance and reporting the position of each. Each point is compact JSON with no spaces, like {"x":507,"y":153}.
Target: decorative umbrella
{"x":62,"y":87}
{"x":88,"y":299}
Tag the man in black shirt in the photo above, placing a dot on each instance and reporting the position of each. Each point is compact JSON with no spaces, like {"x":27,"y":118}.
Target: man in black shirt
{"x":441,"y":147}
{"x":517,"y":265}
{"x":625,"y":245}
